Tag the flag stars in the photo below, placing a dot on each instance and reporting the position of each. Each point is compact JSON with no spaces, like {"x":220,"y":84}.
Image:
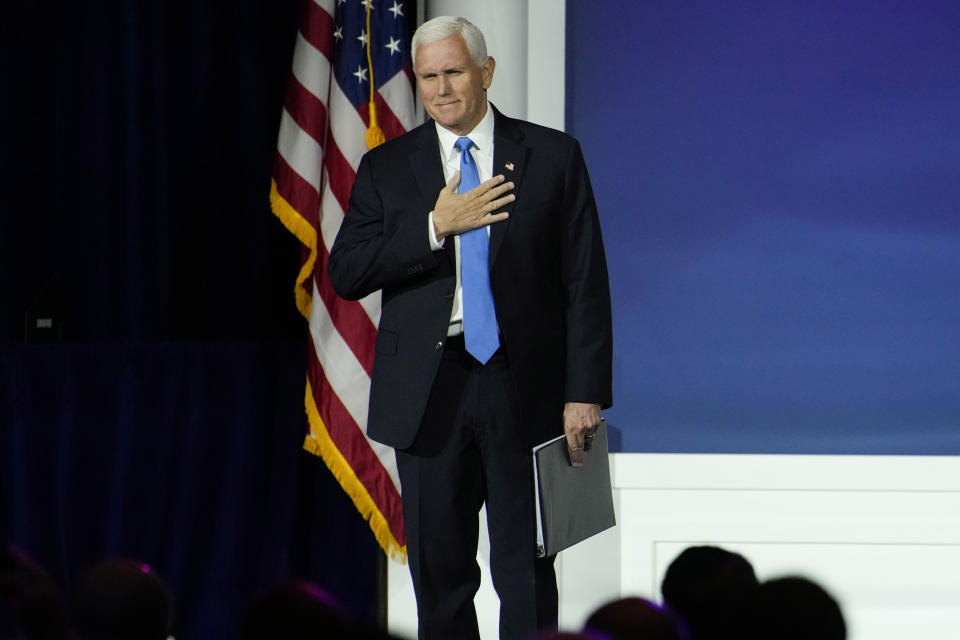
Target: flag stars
{"x":338,"y":34}
{"x":361,"y":74}
{"x":393,"y":45}
{"x":368,"y":4}
{"x":396,"y":9}
{"x":362,"y":38}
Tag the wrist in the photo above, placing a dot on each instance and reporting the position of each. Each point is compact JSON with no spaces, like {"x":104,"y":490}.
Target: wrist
{"x":436,"y":239}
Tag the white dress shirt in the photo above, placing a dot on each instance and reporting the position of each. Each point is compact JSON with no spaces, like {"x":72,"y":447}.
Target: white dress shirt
{"x":482,"y":152}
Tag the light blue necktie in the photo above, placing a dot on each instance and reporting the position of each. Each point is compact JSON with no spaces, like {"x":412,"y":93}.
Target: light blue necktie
{"x":479,"y":317}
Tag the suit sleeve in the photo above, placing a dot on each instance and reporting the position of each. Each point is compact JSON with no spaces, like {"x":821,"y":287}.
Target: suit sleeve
{"x":376,"y":246}
{"x":589,"y":326}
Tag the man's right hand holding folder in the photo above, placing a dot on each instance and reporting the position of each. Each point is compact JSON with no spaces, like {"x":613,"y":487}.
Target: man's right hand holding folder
{"x":580,"y":420}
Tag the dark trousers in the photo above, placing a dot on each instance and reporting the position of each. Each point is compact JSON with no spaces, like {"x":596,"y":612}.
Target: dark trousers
{"x":470,"y":451}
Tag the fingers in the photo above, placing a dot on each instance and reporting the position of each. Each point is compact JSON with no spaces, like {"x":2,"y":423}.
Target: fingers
{"x":492,"y":188}
{"x":486,"y":185}
{"x":579,"y":422}
{"x":494,"y":195}
{"x":491,"y":218}
{"x":575,"y":449}
{"x":482,"y":206}
{"x":493,"y":205}
{"x":494,"y":199}
{"x":576,"y":442}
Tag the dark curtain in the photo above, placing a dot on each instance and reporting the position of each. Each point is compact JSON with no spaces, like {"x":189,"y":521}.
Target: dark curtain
{"x":138,"y":139}
{"x":185,"y":456}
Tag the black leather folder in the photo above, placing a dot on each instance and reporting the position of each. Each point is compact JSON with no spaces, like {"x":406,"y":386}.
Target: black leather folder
{"x":573,"y":503}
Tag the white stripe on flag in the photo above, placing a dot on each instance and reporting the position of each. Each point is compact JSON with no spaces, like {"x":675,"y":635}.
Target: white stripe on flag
{"x":329,"y":225}
{"x":347,"y":127}
{"x":396,"y":93}
{"x":300,"y":151}
{"x":311,"y":68}
{"x":388,"y":459}
{"x":346,"y":377}
{"x":332,"y":216}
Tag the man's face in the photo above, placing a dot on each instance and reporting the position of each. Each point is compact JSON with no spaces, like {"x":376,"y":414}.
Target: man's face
{"x":452,"y":86}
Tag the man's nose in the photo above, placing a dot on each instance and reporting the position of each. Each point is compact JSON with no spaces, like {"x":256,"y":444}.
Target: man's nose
{"x":444,"y":85}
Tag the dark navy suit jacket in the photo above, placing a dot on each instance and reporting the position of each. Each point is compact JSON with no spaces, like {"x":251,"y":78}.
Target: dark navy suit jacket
{"x":547,"y":271}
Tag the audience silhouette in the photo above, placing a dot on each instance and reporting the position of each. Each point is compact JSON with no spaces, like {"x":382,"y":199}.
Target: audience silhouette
{"x":709,"y":594}
{"x":31,"y":606}
{"x":121,"y":599}
{"x":294,"y":610}
{"x":792,"y":608}
{"x":630,"y":618}
{"x":705,"y":587}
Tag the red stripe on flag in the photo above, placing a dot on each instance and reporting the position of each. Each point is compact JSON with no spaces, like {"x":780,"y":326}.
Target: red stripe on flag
{"x":306,"y":110}
{"x":349,"y":317}
{"x":317,"y":29}
{"x":388,"y":119}
{"x":354,"y":447}
{"x":341,"y":174}
{"x":297,"y":191}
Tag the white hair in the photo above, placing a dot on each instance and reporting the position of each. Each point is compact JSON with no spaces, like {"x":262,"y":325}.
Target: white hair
{"x":443,"y":27}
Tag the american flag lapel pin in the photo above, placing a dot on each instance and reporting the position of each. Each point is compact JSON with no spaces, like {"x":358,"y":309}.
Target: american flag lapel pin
{"x":509,"y":166}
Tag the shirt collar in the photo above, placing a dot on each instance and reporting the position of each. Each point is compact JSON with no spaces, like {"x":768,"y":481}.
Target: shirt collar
{"x":482,"y":134}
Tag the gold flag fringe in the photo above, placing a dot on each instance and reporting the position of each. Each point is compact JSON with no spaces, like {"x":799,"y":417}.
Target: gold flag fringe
{"x":318,"y":443}
{"x":307,"y":234}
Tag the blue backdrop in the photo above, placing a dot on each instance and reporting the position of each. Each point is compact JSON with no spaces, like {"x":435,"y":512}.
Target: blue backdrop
{"x":779,"y":185}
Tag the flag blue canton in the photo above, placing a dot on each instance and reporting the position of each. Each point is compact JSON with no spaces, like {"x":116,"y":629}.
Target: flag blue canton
{"x":390,"y":49}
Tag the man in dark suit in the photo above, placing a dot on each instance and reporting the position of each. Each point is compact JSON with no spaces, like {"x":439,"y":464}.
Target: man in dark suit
{"x":475,"y":365}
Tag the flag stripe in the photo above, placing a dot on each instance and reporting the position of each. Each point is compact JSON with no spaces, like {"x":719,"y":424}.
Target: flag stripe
{"x":342,"y":434}
{"x":307,"y":110}
{"x":385,"y":118}
{"x":311,"y":68}
{"x":332,"y":215}
{"x":317,"y":29}
{"x":344,"y":373}
{"x":341,"y":175}
{"x":329,"y":225}
{"x":347,"y":127}
{"x":301,"y":152}
{"x":296,"y":191}
{"x":348,"y":317}
{"x":396,"y":91}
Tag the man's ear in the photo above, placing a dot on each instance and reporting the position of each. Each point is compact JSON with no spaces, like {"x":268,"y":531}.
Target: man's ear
{"x":488,"y":66}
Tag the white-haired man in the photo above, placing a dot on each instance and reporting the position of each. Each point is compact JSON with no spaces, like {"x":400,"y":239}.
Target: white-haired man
{"x":495,"y":330}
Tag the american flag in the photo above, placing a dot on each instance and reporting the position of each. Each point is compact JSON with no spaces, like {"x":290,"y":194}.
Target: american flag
{"x":323,"y":133}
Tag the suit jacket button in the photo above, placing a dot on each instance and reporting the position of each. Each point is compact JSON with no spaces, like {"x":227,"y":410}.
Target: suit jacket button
{"x":439,"y":345}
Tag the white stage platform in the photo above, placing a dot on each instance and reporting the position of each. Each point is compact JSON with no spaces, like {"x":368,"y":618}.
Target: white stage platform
{"x":881,"y":533}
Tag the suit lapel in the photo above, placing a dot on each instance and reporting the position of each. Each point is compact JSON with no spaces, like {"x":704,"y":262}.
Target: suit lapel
{"x":428,"y":169}
{"x":510,"y":158}
{"x":426,"y":164}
